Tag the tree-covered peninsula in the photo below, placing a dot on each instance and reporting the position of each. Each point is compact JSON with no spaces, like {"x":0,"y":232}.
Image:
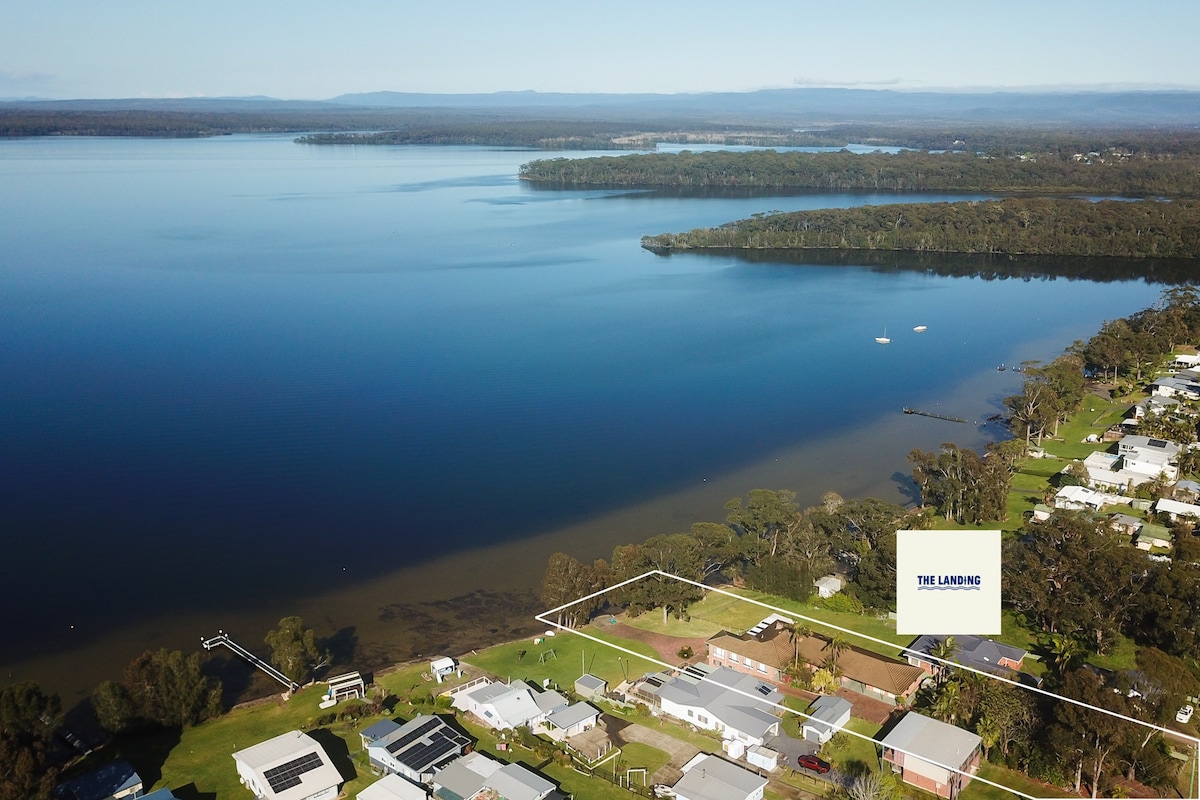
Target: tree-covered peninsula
{"x":1012,"y":226}
{"x":1115,"y":172}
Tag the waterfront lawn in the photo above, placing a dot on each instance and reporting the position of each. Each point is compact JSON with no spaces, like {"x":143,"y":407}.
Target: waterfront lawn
{"x":1096,"y":416}
{"x":572,"y":655}
{"x":720,"y":612}
{"x":202,"y":756}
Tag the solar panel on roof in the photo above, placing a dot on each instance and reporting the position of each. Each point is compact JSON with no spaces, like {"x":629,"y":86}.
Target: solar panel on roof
{"x":285,"y":776}
{"x":1157,"y":443}
{"x":410,"y":737}
{"x":427,"y":753}
{"x":763,"y":689}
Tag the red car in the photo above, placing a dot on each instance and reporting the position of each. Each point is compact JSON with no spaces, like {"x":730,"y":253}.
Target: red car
{"x":813,"y":763}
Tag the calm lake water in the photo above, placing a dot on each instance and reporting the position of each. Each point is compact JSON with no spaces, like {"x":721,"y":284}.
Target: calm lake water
{"x":243,"y":378}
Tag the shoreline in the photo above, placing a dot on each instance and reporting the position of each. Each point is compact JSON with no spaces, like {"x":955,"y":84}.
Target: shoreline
{"x":478,"y":598}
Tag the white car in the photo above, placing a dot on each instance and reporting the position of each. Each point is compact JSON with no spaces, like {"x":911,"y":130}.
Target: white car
{"x":1184,"y":714}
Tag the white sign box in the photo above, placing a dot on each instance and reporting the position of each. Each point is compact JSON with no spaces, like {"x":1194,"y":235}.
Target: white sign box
{"x":948,"y":582}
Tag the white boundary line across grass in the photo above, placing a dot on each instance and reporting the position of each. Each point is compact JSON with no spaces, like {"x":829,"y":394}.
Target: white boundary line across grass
{"x":545,"y":617}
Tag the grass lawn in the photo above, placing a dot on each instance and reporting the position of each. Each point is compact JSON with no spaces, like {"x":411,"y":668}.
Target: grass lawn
{"x":1006,"y":777}
{"x":636,"y":754}
{"x":720,"y":612}
{"x":1122,"y":655}
{"x":203,"y":754}
{"x":853,"y":755}
{"x":572,"y":655}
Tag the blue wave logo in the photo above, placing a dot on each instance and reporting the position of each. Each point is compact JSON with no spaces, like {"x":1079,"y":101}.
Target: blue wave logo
{"x":948,"y":588}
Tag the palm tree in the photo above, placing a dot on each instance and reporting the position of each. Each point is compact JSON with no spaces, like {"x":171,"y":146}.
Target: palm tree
{"x":945,"y":707}
{"x":943,"y":649}
{"x":1064,"y":652}
{"x":989,"y":733}
{"x":837,"y":645}
{"x":797,"y":634}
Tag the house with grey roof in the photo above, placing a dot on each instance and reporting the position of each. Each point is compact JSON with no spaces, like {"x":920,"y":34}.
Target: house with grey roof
{"x":477,"y":776}
{"x":736,"y":705}
{"x":418,"y":748}
{"x":377,"y":731}
{"x":826,"y":716}
{"x":707,"y":777}
{"x":113,"y":781}
{"x":977,"y":652}
{"x":570,"y":720}
{"x":588,"y":685}
{"x":932,"y":755}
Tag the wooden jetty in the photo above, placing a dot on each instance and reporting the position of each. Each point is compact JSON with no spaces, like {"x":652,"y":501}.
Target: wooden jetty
{"x":908,"y":410}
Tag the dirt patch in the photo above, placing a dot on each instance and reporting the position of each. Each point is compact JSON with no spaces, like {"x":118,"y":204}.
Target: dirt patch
{"x":667,"y":647}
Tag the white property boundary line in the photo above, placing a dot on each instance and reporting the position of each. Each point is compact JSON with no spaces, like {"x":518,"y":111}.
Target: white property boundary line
{"x":544,"y":618}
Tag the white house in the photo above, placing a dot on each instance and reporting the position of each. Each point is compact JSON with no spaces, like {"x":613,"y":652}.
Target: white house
{"x":708,"y":777}
{"x":1080,"y":498}
{"x":827,"y":716}
{"x":418,"y":748}
{"x":829,"y":585}
{"x":477,"y":776}
{"x":1175,"y":386}
{"x":292,"y":766}
{"x":570,"y":720}
{"x":393,"y":787}
{"x":1176,"y":509}
{"x":506,"y":705}
{"x":736,"y":705}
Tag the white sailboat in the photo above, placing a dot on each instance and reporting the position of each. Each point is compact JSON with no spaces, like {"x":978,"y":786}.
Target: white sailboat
{"x":920,"y":329}
{"x":883,"y":339}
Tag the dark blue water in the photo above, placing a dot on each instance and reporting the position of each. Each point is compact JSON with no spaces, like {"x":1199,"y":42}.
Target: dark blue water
{"x":225,"y":360}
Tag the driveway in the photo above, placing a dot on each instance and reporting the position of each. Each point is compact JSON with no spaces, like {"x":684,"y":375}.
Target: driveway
{"x":791,"y":749}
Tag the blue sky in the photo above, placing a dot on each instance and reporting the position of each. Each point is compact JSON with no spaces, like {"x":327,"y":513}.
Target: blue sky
{"x":311,"y":50}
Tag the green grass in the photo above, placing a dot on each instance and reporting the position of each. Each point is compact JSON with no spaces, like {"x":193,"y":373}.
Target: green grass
{"x":851,"y":754}
{"x":636,"y":754}
{"x":203,"y":754}
{"x":1121,"y":656}
{"x":1006,"y":777}
{"x":720,"y":612}
{"x":574,"y":655}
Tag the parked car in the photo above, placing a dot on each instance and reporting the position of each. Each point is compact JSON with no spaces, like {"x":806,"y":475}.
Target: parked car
{"x":813,"y":763}
{"x":1184,"y":714}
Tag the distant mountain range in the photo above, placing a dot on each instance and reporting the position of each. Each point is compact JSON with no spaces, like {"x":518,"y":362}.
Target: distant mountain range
{"x":801,"y":106}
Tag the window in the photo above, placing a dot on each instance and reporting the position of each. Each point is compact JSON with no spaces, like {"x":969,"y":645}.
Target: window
{"x":733,"y":658}
{"x":718,"y":652}
{"x":762,"y":668}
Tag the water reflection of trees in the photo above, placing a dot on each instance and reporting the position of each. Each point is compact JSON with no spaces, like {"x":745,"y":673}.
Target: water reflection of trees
{"x":986,"y":267}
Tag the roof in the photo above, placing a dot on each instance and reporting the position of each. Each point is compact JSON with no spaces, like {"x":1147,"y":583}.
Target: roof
{"x":119,"y":776}
{"x":591,"y":682}
{"x":379,"y":729}
{"x":707,"y":777}
{"x":474,"y":771}
{"x":514,"y":703}
{"x":828,"y":710}
{"x":972,"y":651}
{"x":160,"y":794}
{"x":776,"y":649}
{"x":740,"y":701}
{"x":392,"y":787}
{"x":930,"y":740}
{"x":291,"y":765}
{"x":572,"y":715}
{"x":422,"y":744}
{"x":1175,"y":507}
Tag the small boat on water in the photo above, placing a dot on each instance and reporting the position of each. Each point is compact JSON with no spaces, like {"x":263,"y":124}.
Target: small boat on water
{"x":920,"y":329}
{"x":883,"y":339}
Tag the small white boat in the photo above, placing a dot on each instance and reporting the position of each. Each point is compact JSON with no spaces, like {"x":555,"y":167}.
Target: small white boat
{"x":883,"y":339}
{"x":920,"y":329}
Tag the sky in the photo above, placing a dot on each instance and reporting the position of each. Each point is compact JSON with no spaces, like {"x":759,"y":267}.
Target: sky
{"x":316,"y":50}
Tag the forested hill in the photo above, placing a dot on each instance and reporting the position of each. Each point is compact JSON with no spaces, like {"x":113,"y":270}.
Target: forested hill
{"x":1014,"y":226}
{"x":1112,"y":173}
